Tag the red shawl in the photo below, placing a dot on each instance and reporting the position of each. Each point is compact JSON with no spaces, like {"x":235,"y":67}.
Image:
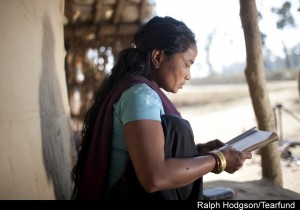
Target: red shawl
{"x":94,"y":177}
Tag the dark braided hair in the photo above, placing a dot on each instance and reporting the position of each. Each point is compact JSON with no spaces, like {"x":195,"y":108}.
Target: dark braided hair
{"x":162,"y":33}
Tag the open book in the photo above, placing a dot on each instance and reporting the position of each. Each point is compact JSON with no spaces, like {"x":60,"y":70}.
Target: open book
{"x":253,"y":139}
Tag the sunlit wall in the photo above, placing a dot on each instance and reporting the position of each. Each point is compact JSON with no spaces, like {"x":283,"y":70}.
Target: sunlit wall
{"x":36,"y":150}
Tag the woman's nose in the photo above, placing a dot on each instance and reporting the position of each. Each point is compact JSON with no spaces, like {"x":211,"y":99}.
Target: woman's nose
{"x":188,"y":75}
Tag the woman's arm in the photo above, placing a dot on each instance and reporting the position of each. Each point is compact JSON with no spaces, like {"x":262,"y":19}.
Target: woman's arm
{"x":145,"y":142}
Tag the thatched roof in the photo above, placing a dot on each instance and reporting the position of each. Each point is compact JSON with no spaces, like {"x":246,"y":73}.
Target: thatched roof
{"x":106,"y":27}
{"x":98,"y":22}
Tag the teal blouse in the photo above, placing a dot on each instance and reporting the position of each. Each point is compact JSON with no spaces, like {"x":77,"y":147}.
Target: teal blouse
{"x":136,"y":103}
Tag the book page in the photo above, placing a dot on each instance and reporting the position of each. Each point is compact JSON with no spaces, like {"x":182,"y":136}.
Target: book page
{"x":242,"y":135}
{"x":254,"y":140}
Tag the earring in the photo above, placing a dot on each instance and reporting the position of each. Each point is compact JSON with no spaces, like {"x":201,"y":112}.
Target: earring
{"x":157,"y":66}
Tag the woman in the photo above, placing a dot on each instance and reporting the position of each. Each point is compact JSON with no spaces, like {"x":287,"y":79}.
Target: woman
{"x":134,"y":142}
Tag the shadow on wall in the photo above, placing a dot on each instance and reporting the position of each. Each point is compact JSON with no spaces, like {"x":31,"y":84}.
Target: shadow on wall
{"x":56,"y":136}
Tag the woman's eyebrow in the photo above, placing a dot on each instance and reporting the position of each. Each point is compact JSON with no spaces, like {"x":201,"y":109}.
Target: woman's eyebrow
{"x":186,"y":59}
{"x":191,"y":60}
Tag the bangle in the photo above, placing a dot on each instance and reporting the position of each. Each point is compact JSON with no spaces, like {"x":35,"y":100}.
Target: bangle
{"x":220,"y":161}
{"x":217,"y":165}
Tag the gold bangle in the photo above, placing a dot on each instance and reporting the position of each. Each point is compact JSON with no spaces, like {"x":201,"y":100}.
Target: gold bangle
{"x":222,"y":160}
{"x":216,"y":169}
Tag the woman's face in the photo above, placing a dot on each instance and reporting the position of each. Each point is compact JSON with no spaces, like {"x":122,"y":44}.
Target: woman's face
{"x":175,"y":70}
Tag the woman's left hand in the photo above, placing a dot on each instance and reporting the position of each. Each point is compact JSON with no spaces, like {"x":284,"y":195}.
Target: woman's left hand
{"x":208,"y":146}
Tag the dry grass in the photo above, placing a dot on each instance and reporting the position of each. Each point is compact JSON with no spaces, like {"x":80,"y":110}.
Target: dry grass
{"x":201,"y":95}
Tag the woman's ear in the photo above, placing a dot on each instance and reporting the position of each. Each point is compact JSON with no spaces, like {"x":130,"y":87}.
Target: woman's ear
{"x":156,"y":57}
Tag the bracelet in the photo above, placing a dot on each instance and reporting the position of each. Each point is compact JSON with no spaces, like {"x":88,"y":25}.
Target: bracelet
{"x":217,"y":165}
{"x":220,"y":161}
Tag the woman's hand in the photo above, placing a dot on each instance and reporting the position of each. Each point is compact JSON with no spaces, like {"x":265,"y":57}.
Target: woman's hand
{"x":203,"y":149}
{"x":234,"y":158}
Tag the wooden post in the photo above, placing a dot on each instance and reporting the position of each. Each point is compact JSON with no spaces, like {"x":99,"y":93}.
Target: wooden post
{"x":255,"y":75}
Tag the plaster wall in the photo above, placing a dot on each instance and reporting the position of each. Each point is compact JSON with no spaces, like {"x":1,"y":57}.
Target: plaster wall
{"x":36,"y":149}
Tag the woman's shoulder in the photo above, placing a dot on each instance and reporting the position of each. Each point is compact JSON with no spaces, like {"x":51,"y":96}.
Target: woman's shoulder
{"x":140,"y":89}
{"x":139,"y":102}
{"x":141,"y":94}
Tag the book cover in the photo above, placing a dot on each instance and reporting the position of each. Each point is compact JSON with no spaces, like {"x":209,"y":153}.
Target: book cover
{"x":218,"y":193}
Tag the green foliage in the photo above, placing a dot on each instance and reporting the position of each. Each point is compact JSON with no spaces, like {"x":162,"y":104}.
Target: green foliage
{"x":285,"y":16}
{"x":283,"y":74}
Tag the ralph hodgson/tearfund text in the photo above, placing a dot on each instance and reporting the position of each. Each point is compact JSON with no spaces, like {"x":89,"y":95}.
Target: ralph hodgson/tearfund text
{"x":246,"y":205}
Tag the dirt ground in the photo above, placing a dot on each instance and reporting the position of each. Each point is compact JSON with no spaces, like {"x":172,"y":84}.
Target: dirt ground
{"x":223,"y":111}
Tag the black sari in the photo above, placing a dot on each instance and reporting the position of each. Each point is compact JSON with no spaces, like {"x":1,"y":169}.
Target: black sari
{"x":179,"y":142}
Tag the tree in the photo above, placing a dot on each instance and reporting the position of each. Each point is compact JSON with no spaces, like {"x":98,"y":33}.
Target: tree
{"x":209,"y":39}
{"x":255,"y":76}
{"x":299,"y":82}
{"x":299,"y":70}
{"x":285,"y":20}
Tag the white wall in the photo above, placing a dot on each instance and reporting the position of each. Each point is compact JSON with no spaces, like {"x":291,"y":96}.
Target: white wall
{"x":36,"y":150}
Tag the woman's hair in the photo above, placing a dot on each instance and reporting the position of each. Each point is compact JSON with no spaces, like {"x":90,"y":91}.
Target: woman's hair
{"x":162,"y":33}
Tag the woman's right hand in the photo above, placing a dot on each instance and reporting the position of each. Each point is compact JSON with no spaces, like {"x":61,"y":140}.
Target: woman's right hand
{"x":234,"y":158}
